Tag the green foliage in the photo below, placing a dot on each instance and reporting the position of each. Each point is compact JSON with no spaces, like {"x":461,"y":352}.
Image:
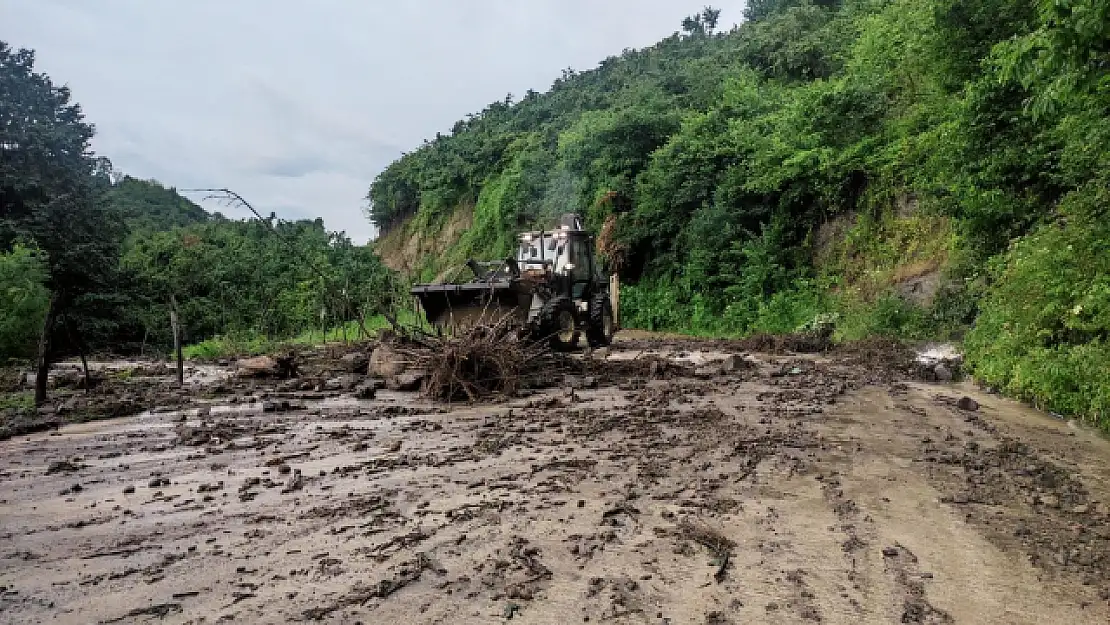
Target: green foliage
{"x":147,"y":206}
{"x":945,"y":133}
{"x":52,"y":198}
{"x":1043,"y":332}
{"x":23,"y":301}
{"x":226,"y":346}
{"x":889,"y":316}
{"x":240,"y":278}
{"x":17,"y":402}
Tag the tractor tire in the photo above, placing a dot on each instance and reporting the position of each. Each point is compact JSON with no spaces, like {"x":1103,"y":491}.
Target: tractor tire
{"x":602,"y":326}
{"x":557,"y":324}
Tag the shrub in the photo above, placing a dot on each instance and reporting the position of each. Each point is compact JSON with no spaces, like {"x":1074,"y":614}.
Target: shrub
{"x":1044,"y":326}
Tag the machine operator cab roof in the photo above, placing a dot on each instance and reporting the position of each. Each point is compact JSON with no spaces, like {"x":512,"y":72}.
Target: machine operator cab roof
{"x":552,"y":247}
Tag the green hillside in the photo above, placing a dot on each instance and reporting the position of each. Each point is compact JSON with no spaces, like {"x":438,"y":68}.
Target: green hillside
{"x":91,"y":262}
{"x":916,"y":168}
{"x":148,"y":206}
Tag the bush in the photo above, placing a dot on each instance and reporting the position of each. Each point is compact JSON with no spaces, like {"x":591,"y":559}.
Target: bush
{"x":1044,"y":326}
{"x":23,"y":302}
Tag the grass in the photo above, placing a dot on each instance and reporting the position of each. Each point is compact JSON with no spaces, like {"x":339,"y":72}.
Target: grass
{"x":231,"y":345}
{"x":21,"y":401}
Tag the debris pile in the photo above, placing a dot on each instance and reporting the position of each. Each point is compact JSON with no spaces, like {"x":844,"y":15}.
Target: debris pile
{"x":480,"y":361}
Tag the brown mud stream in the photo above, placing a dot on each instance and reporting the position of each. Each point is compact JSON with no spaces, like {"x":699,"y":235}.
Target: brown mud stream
{"x":796,"y":489}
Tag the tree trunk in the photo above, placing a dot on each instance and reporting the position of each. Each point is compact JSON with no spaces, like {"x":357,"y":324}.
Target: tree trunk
{"x":142,"y":348}
{"x":174,"y":322}
{"x":85,"y":367}
{"x":43,"y":363}
{"x":80,"y":342}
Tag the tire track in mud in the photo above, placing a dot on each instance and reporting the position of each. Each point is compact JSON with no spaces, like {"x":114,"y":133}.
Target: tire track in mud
{"x":665,"y":494}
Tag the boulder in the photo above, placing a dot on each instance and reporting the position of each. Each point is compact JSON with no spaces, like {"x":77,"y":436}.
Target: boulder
{"x":258,"y":367}
{"x":385,"y":362}
{"x":368,"y":388}
{"x":344,"y":382}
{"x":406,"y":381}
{"x":735,"y":362}
{"x":355,"y":362}
{"x":967,"y":403}
{"x":281,"y":366}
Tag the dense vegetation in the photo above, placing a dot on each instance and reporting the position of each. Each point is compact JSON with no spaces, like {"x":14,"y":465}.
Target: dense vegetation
{"x":91,"y":260}
{"x":920,"y":168}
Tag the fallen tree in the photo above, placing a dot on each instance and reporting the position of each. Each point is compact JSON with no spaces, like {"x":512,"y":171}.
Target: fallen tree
{"x":480,"y":361}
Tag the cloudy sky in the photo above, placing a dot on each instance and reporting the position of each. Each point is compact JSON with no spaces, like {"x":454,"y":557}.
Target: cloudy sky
{"x":297,"y":105}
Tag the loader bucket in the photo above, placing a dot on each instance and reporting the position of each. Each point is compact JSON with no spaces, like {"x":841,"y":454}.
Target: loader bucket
{"x":450,"y":306}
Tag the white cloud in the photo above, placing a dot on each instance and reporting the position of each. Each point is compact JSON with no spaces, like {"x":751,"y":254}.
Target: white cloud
{"x":298,"y":105}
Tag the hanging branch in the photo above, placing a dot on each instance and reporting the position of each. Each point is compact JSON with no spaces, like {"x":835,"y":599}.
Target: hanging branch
{"x":227,"y":197}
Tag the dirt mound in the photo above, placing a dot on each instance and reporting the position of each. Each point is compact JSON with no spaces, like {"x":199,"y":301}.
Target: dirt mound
{"x":799,"y":343}
{"x":879,"y":354}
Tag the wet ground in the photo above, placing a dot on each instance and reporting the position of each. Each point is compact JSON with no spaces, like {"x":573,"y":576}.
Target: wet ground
{"x":781,"y":489}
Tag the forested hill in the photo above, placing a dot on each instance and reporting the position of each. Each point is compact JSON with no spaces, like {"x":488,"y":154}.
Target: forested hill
{"x":148,"y":206}
{"x":918,"y":168}
{"x":93,"y":261}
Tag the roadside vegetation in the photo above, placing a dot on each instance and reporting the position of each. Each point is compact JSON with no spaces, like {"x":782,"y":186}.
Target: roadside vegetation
{"x":921,"y":169}
{"x":93,"y":261}
{"x":916,"y":169}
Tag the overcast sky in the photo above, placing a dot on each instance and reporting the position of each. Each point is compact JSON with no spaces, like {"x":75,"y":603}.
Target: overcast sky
{"x":297,"y":105}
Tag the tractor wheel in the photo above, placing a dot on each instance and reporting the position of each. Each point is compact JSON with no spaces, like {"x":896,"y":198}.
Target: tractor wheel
{"x":602,"y":327}
{"x":557,"y":324}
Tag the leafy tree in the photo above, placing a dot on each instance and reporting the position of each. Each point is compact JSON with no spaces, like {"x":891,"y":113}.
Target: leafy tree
{"x":51,"y":191}
{"x":967,"y":129}
{"x":23,"y":301}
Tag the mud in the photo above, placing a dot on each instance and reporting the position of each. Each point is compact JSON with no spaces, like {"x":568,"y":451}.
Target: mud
{"x":673,"y":482}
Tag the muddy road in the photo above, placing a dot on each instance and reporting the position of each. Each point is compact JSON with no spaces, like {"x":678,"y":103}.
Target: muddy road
{"x":780,"y":489}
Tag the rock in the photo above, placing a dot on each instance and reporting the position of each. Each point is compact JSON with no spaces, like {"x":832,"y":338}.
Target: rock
{"x":259,"y":367}
{"x":344,"y":382}
{"x":734,"y":362}
{"x":294,"y":483}
{"x":368,"y":388}
{"x":282,"y":366}
{"x":1049,"y":501}
{"x":967,"y":403}
{"x":69,"y":406}
{"x":407,"y":381}
{"x":942,"y":372}
{"x":385,"y":363}
{"x":577,"y":381}
{"x":707,"y":371}
{"x":282,"y":406}
{"x":1081,"y":509}
{"x":355,"y":362}
{"x":890,"y":552}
